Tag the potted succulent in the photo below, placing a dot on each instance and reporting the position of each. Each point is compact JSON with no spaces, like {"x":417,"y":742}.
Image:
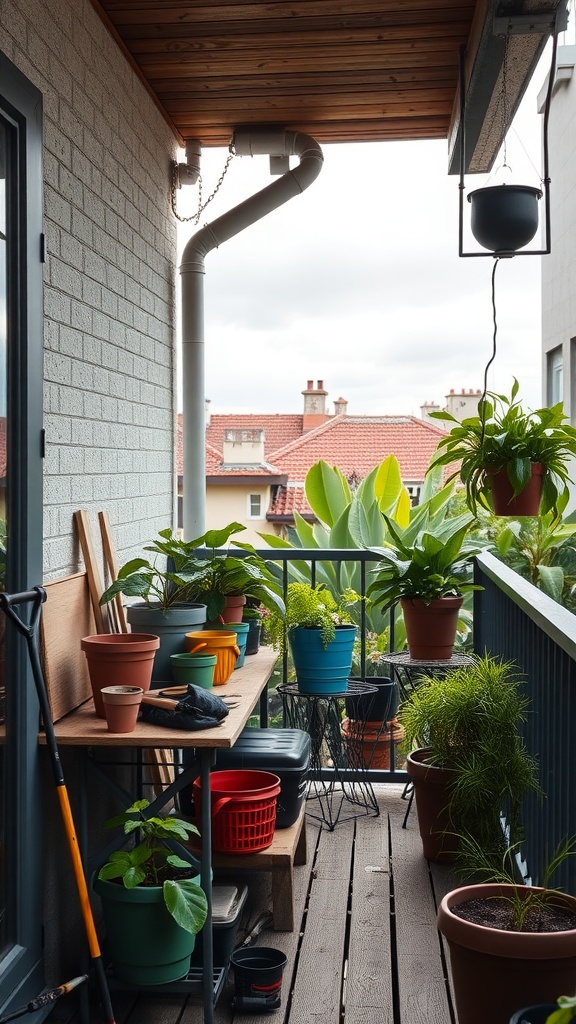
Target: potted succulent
{"x":470,"y":763}
{"x":509,"y":942}
{"x":428,"y":573}
{"x":512,"y":460}
{"x":320,"y":632}
{"x":153,"y":907}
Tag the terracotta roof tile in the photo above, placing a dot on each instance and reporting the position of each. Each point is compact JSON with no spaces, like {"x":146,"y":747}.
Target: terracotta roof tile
{"x":356,"y":444}
{"x":288,"y":501}
{"x":279,"y":428}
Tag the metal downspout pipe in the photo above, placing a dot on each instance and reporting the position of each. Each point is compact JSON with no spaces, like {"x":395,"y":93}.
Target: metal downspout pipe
{"x":291,"y":184}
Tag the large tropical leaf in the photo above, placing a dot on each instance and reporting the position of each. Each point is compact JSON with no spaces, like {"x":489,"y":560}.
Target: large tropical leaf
{"x":327,"y":491}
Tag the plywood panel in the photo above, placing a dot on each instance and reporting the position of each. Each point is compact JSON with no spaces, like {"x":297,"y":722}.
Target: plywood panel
{"x":67,"y":616}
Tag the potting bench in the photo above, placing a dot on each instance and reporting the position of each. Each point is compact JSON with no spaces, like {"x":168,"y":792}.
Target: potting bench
{"x":81,"y":728}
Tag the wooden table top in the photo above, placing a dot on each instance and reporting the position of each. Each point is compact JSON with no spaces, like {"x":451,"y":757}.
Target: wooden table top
{"x":82,"y":727}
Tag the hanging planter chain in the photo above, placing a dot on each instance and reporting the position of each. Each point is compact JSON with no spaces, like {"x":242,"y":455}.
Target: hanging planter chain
{"x":201,"y":205}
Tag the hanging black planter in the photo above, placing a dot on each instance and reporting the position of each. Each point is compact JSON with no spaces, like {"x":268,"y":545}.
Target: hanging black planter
{"x":504,"y":217}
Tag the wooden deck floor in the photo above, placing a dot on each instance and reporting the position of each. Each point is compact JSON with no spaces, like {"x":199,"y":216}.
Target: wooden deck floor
{"x":367,"y":950}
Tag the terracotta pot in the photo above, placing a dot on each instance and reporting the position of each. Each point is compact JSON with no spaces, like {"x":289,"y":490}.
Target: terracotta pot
{"x":119,"y":659}
{"x":496,"y":971}
{"x":432,"y":795}
{"x":121,"y":706}
{"x":527,"y":503}
{"x":233,"y":608}
{"x":372,"y":741}
{"x":431,"y":628}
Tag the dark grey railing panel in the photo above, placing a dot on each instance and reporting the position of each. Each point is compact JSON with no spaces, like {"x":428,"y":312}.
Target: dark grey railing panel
{"x":516,"y":621}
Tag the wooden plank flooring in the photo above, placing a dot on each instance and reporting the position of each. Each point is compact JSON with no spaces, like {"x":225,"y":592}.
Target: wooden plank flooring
{"x":367,"y":950}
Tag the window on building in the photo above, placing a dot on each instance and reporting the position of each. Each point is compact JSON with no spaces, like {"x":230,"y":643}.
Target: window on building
{"x":255,"y":506}
{"x":555,"y":376}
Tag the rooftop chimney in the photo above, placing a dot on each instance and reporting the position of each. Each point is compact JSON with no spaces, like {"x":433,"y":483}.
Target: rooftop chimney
{"x":314,"y":405}
{"x":243,"y":448}
{"x":340,"y":407}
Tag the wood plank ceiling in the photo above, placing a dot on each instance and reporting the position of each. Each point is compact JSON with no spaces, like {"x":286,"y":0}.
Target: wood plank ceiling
{"x":338,"y":70}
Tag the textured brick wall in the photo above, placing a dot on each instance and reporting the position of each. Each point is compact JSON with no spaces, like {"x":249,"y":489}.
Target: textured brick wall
{"x":109,"y":279}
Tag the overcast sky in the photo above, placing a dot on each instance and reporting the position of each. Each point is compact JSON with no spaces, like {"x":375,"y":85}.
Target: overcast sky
{"x":358,"y":282}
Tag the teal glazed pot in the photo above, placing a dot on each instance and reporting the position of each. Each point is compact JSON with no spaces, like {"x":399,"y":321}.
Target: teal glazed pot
{"x":197,"y":669}
{"x":322,"y":670}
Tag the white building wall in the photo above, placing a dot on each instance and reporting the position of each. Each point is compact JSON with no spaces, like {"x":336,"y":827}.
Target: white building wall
{"x":109,"y":280}
{"x":559,"y":268}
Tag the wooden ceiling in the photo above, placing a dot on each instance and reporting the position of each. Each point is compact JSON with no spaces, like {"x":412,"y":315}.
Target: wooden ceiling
{"x":338,"y":70}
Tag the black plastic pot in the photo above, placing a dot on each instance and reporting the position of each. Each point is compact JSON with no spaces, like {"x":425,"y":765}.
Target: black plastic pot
{"x":534,"y":1014}
{"x":504,"y":218}
{"x":377,"y":707}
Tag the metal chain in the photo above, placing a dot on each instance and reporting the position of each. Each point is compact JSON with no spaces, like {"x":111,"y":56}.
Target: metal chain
{"x":201,"y":206}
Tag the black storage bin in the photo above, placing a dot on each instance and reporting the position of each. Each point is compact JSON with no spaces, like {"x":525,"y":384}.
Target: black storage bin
{"x":286,"y":752}
{"x":227,"y":905}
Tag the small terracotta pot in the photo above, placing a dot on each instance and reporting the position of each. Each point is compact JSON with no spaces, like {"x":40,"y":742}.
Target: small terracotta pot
{"x":527,"y":503}
{"x":372,"y":741}
{"x":493,"y":970}
{"x":119,"y":659}
{"x":431,"y":628}
{"x":233,"y":608}
{"x":121,"y":706}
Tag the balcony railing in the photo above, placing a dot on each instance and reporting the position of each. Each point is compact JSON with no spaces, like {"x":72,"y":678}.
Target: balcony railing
{"x":517,"y":622}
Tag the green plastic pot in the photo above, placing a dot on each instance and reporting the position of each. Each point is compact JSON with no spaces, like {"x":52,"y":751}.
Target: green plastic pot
{"x":145,"y":944}
{"x":197,"y":669}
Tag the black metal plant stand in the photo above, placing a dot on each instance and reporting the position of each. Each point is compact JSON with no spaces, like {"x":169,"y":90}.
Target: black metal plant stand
{"x":338,"y":775}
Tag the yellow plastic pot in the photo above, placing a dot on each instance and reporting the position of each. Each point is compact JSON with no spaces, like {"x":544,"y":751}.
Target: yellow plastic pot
{"x":223,"y":644}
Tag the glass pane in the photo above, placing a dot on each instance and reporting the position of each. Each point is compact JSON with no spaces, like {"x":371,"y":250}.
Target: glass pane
{"x":4,"y":241}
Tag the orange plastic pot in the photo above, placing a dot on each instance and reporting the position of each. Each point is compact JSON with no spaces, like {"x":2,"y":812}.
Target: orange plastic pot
{"x":223,"y":644}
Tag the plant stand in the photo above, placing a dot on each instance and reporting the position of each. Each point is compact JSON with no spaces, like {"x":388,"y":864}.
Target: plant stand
{"x":338,"y":775}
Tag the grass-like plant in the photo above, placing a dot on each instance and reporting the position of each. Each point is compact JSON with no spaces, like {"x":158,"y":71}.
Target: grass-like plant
{"x":527,"y":904}
{"x":471,"y":722}
{"x":503,"y":434}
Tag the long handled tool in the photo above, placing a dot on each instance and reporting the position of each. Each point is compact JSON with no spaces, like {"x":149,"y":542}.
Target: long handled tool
{"x":29,"y":631}
{"x":45,"y":999}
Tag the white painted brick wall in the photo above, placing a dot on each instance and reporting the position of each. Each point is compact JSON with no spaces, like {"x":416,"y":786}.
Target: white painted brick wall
{"x":109,"y":273}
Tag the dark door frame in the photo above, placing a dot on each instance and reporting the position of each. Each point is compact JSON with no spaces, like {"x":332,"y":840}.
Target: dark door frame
{"x":21,"y":963}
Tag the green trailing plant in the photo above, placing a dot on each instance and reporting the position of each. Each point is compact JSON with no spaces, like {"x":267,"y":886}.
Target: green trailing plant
{"x":471,"y":720}
{"x":181,"y":572}
{"x":312,"y":607}
{"x":503,"y":434}
{"x":420,"y":563}
{"x":151,"y":862}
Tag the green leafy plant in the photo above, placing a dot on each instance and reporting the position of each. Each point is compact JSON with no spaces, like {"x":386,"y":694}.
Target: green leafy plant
{"x":542,"y":549}
{"x":470,"y":720}
{"x":193,"y":576}
{"x":419,"y":563}
{"x":312,"y":607}
{"x":152,"y":862}
{"x":503,"y":434}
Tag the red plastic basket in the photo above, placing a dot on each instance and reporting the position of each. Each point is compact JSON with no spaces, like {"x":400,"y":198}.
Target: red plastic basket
{"x":243,"y":809}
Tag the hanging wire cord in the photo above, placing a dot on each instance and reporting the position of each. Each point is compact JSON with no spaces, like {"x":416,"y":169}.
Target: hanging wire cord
{"x":492,"y":357}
